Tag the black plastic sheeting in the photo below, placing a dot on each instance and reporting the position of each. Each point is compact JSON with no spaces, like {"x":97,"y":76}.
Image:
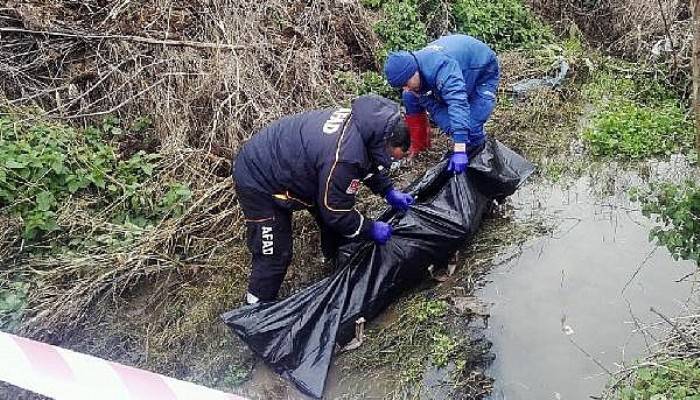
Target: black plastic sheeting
{"x":297,"y":336}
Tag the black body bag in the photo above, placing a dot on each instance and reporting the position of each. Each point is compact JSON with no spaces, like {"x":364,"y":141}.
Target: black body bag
{"x":297,"y":336}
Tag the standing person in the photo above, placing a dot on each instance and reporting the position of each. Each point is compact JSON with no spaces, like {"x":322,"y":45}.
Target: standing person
{"x":316,"y":161}
{"x":455,"y":79}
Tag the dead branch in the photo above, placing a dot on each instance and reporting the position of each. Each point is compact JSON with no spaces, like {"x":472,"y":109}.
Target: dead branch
{"x":129,"y":38}
{"x":680,"y":334}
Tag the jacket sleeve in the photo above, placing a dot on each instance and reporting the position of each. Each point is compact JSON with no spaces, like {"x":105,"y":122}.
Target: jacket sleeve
{"x":379,"y":183}
{"x":438,"y":113}
{"x":450,"y":85}
{"x":338,"y":185}
{"x":411,"y":102}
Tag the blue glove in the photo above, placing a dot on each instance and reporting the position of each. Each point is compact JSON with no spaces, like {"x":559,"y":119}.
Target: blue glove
{"x":380,"y":232}
{"x":459,"y":159}
{"x":458,"y":162}
{"x":399,"y":200}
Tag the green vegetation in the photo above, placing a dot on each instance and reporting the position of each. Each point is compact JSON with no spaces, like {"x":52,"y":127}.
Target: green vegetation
{"x":401,"y":28}
{"x":235,"y":375}
{"x":372,"y":4}
{"x":678,"y":209}
{"x":503,"y":24}
{"x":443,"y":349}
{"x":44,"y":166}
{"x":676,"y":379}
{"x":626,"y":129}
{"x":419,"y":338}
{"x":366,"y":82}
{"x":13,"y":301}
{"x":637,"y":117}
{"x":563,"y":171}
{"x":616,"y":80}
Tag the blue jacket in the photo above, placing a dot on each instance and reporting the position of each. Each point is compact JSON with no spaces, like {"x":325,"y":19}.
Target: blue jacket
{"x":317,"y":159}
{"x":459,"y":79}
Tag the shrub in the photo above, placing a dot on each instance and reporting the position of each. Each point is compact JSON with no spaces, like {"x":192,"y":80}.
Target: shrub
{"x":630,"y":130}
{"x":503,"y":24}
{"x":366,"y":82}
{"x":401,"y":28}
{"x":13,"y":301}
{"x":42,"y":165}
{"x":676,"y":379}
{"x":678,"y":209}
{"x":608,"y":85}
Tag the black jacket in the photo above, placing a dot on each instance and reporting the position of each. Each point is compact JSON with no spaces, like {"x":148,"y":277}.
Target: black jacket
{"x":317,"y":159}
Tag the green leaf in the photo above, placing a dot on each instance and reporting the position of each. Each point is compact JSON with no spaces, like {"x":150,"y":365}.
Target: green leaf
{"x":73,"y":185}
{"x":147,"y":169}
{"x":57,"y":166}
{"x":12,"y":164}
{"x":45,"y":201}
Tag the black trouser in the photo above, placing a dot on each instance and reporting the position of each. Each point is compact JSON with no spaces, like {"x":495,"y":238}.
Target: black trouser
{"x":330,"y":239}
{"x":269,"y":239}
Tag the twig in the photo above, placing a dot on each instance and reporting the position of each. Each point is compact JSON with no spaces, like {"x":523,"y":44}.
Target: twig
{"x":639,"y":268}
{"x":118,"y":106}
{"x":686,"y":339}
{"x":129,"y":38}
{"x":686,"y":276}
{"x":598,"y":363}
{"x":668,"y":34}
{"x":639,"y":326}
{"x":85,"y":93}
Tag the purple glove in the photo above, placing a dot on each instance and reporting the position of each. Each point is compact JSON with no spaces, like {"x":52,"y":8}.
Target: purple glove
{"x":381,"y":232}
{"x":399,"y":200}
{"x":458,"y":162}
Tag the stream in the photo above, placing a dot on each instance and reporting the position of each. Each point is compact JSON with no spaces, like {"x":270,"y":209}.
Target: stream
{"x":568,"y":309}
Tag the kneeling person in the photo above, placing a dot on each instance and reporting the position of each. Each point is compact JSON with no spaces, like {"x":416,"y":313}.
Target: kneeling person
{"x":316,"y":161}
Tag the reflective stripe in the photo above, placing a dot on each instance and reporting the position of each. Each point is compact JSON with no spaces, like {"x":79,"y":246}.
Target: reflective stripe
{"x":286,"y":196}
{"x":359,"y":228}
{"x":328,"y":181}
{"x":259,"y":220}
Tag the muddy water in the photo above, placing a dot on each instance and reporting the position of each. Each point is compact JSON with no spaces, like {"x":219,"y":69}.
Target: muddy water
{"x":569,"y":300}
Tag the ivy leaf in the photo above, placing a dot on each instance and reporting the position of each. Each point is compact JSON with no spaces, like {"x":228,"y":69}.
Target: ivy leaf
{"x":45,"y":201}
{"x":73,"y":185}
{"x":97,"y":177}
{"x":57,"y":166}
{"x":12,"y":164}
{"x":147,"y":169}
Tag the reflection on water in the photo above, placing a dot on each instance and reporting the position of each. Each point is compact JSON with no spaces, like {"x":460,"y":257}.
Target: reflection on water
{"x":573,"y":300}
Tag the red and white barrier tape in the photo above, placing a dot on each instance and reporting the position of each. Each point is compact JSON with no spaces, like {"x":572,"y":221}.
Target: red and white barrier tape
{"x":66,"y":375}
